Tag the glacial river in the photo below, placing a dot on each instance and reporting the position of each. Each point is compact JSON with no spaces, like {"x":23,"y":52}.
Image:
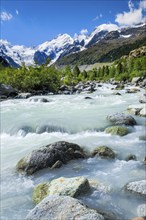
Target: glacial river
{"x":28,"y":125}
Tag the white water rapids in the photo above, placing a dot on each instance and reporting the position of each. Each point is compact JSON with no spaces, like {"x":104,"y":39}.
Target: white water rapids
{"x":29,"y":125}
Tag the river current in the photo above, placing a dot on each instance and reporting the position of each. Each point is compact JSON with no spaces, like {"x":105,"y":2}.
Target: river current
{"x":28,"y":125}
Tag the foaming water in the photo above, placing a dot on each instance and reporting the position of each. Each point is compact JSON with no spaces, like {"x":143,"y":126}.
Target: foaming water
{"x":27,"y":125}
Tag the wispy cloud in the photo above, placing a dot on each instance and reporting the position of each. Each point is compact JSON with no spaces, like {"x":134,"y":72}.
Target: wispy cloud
{"x":17,"y":12}
{"x":133,"y":17}
{"x":5,"y":16}
{"x":97,"y":17}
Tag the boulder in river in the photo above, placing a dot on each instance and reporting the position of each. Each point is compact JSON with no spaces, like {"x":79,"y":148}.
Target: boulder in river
{"x":137,"y":187}
{"x":62,"y":207}
{"x":117,"y":130}
{"x":121,"y":119}
{"x":47,"y":156}
{"x":139,"y":109}
{"x":143,"y":112}
{"x":62,"y":186}
{"x":104,"y":152}
{"x":142,"y":99}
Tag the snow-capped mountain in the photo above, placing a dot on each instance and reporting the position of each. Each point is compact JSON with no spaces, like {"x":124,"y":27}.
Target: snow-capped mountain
{"x":99,"y":33}
{"x":18,"y":54}
{"x":54,"y":49}
{"x":59,"y":47}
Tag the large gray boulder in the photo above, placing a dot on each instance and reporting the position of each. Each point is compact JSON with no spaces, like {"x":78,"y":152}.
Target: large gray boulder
{"x":47,"y":156}
{"x":138,"y":187}
{"x":7,"y":90}
{"x":62,"y":186}
{"x":121,"y":119}
{"x":62,"y":208}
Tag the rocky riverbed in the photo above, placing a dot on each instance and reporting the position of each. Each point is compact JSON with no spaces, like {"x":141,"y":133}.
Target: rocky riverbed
{"x":79,"y":156}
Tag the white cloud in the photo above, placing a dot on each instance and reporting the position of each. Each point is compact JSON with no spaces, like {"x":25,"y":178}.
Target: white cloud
{"x":133,"y":17}
{"x":17,"y":12}
{"x":130,"y":18}
{"x":84,"y":32}
{"x":5,"y":16}
{"x":143,"y":4}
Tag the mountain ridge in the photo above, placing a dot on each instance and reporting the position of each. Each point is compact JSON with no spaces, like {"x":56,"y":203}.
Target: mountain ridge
{"x":62,"y":46}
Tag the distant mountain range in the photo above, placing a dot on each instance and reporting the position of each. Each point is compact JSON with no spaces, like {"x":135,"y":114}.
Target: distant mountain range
{"x":106,"y":43}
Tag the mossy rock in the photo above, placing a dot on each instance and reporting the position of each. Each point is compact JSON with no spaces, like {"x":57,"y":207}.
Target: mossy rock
{"x":62,"y":186}
{"x":40,"y":192}
{"x":104,"y":152}
{"x":117,"y":130}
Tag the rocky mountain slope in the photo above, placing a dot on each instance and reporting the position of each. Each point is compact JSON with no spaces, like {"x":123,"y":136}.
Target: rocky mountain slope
{"x":106,"y":43}
{"x":114,"y":45}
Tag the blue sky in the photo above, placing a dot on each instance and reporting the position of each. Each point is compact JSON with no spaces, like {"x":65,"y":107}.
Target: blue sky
{"x":33,"y":22}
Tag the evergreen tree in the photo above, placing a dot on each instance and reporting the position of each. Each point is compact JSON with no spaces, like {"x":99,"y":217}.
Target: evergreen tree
{"x":76,"y":71}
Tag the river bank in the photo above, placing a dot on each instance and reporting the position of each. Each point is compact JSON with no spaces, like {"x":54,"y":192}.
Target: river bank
{"x":8,"y":92}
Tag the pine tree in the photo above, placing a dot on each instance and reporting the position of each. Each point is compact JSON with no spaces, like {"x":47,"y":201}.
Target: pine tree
{"x":76,"y":71}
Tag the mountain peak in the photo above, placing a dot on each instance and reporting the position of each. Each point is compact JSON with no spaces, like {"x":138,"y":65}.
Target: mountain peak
{"x":4,"y":42}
